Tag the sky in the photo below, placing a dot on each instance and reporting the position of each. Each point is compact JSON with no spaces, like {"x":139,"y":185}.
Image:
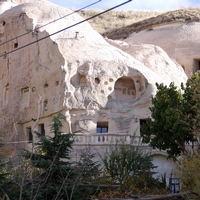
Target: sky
{"x":154,"y":5}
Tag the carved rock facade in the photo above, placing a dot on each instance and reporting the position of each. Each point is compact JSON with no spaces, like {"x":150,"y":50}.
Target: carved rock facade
{"x":48,"y":66}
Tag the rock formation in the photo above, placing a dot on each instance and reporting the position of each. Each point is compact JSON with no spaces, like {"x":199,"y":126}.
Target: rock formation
{"x":49,"y":66}
{"x":176,"y":32}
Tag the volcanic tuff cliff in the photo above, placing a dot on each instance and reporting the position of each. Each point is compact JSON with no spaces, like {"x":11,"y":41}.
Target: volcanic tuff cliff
{"x":47,"y":67}
{"x":76,"y":72}
{"x":177,"y":32}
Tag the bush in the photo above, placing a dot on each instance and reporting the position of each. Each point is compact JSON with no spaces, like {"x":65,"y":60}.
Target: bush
{"x":131,"y":169}
{"x":189,"y":172}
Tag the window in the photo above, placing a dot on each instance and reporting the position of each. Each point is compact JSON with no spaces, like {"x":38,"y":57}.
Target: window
{"x":41,"y":129}
{"x":142,"y":122}
{"x":25,"y":97}
{"x":29,"y":134}
{"x":46,"y":105}
{"x":15,"y":45}
{"x":196,"y":65}
{"x":102,"y":127}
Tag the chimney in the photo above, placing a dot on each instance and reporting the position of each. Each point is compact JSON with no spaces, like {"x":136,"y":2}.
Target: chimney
{"x":77,"y":35}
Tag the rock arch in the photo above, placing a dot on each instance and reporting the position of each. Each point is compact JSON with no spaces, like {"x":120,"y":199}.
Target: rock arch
{"x":125,"y":89}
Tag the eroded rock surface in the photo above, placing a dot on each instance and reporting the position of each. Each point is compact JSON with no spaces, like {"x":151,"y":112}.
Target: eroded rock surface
{"x":179,"y":39}
{"x":55,"y":66}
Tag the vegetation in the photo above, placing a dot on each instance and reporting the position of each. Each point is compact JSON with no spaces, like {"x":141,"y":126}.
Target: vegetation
{"x":89,"y":168}
{"x":49,"y":172}
{"x":189,"y":173}
{"x":120,"y":24}
{"x":174,"y":118}
{"x":5,"y":181}
{"x":190,"y":162}
{"x":175,"y":122}
{"x":115,"y":19}
{"x":53,"y":174}
{"x":191,"y":103}
{"x":124,"y":162}
{"x":131,"y":169}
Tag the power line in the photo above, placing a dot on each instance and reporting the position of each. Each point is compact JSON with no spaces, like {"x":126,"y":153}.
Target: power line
{"x":50,"y":22}
{"x":38,"y":40}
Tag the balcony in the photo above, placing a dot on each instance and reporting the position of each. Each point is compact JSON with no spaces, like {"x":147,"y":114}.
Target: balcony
{"x":107,"y":139}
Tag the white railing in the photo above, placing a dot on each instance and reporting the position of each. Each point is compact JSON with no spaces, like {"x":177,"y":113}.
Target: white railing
{"x":107,"y":138}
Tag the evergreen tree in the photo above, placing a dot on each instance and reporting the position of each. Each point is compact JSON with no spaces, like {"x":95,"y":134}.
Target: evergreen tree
{"x":53,"y":174}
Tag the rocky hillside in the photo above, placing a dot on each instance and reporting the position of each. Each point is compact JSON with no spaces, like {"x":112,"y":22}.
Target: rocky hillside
{"x":115,"y":20}
{"x":119,"y":24}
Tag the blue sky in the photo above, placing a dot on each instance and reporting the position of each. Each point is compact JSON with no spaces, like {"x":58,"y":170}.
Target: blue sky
{"x":133,"y":5}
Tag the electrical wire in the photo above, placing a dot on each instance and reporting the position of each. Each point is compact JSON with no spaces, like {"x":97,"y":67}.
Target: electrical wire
{"x":38,"y":40}
{"x":51,"y":22}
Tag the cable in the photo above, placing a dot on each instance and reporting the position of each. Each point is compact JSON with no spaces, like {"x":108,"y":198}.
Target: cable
{"x":6,"y":53}
{"x":51,"y":22}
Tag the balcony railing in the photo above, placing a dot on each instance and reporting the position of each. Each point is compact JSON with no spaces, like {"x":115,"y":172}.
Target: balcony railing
{"x":107,"y":138}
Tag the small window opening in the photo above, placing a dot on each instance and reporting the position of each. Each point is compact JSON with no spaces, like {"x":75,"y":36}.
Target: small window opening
{"x":46,"y":105}
{"x":24,"y":90}
{"x":196,"y":65}
{"x":5,"y":55}
{"x":3,"y":23}
{"x":142,"y":122}
{"x":57,"y":83}
{"x":97,"y":81}
{"x":102,"y":127}
{"x":29,"y":134}
{"x":111,"y":79}
{"x":41,"y":129}
{"x":15,"y":45}
{"x":46,"y":85}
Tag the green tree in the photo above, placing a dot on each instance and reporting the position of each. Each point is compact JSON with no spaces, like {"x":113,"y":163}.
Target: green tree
{"x":53,"y":174}
{"x":191,"y":103}
{"x":190,"y":162}
{"x":169,"y":126}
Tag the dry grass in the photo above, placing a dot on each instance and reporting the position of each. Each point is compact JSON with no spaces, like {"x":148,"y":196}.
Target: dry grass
{"x":115,"y":20}
{"x":120,"y":24}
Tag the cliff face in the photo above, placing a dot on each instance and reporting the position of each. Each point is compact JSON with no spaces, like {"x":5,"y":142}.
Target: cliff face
{"x":49,"y":66}
{"x":74,"y":71}
{"x":180,"y":40}
{"x":176,"y":32}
